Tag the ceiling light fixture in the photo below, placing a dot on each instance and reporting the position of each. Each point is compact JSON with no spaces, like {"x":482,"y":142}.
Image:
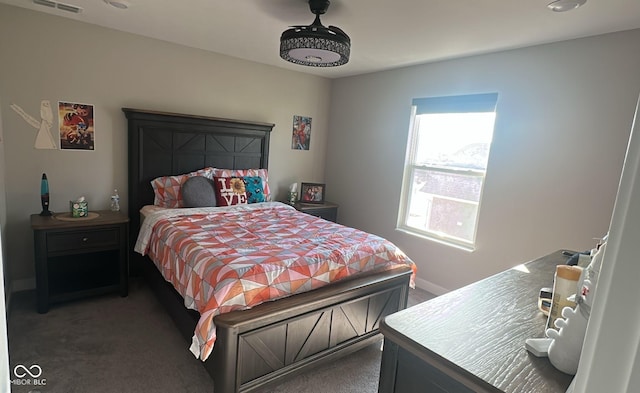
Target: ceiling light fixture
{"x":120,"y":4}
{"x":565,"y":5}
{"x":316,"y":45}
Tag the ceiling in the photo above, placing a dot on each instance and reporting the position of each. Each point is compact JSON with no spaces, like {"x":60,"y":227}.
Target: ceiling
{"x":384,"y":34}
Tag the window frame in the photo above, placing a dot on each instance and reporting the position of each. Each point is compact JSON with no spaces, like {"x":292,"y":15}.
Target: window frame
{"x":476,"y":103}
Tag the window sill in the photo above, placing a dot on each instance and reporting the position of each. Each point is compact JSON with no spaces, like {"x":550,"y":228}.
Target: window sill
{"x":463,"y":247}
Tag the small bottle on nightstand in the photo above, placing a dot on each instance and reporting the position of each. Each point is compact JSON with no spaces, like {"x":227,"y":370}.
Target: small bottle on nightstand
{"x":115,"y":201}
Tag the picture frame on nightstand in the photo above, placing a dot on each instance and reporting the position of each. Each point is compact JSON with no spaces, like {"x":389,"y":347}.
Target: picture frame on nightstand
{"x":312,"y":193}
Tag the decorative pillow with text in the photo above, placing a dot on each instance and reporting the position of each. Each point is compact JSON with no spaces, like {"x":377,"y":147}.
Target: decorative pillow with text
{"x":261,"y":173}
{"x":230,"y":191}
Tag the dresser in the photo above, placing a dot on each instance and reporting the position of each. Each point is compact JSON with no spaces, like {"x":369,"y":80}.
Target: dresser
{"x":473,"y":339}
{"x":79,"y":257}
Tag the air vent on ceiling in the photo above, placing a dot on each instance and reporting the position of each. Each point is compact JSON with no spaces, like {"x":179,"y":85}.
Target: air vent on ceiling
{"x":45,"y":3}
{"x":61,"y":6}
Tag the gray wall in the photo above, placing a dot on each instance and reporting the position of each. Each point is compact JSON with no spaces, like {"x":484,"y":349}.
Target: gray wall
{"x":50,"y":58}
{"x":564,"y":118}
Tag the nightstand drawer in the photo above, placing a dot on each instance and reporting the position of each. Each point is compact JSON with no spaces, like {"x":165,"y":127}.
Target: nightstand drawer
{"x":86,"y":239}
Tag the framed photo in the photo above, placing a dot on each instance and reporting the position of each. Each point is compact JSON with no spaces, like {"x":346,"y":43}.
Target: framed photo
{"x":312,"y":193}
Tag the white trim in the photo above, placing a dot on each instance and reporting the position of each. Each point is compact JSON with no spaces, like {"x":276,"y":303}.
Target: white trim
{"x":427,"y":236}
{"x":430,"y":287}
{"x":25,"y":284}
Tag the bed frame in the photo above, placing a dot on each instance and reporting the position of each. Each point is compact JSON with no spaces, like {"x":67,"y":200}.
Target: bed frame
{"x":255,"y":348}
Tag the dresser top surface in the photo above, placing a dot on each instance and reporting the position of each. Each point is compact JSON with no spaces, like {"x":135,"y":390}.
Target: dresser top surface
{"x":479,"y":331}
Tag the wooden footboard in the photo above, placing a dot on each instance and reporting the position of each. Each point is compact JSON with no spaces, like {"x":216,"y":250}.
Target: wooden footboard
{"x":259,"y":347}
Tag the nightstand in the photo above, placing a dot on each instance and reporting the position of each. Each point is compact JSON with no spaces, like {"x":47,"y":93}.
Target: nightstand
{"x":80,"y":257}
{"x":326,"y":210}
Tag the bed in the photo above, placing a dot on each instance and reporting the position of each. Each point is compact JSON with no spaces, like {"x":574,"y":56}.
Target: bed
{"x":258,"y":347}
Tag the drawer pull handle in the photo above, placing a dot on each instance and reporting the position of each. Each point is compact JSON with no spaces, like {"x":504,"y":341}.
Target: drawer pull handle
{"x":85,"y":239}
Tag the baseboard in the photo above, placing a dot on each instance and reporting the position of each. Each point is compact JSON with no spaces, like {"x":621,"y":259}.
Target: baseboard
{"x":430,"y":287}
{"x":25,"y":284}
{"x":30,"y":283}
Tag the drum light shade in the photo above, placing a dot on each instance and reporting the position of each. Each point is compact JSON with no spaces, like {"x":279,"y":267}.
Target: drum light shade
{"x":315,"y":45}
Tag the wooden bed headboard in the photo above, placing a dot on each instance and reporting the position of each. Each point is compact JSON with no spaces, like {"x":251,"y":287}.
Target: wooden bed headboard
{"x":162,"y":144}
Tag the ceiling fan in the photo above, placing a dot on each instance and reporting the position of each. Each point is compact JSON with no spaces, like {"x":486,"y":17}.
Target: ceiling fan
{"x":316,"y":45}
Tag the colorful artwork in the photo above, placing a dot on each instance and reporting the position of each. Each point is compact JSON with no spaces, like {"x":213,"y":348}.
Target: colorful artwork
{"x":301,"y":133}
{"x":76,"y":126}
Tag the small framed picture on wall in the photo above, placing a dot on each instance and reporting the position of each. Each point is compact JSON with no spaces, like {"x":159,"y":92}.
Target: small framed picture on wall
{"x":312,"y":193}
{"x":301,"y":138}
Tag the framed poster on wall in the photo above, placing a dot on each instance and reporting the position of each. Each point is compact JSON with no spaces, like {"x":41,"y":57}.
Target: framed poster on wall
{"x":76,"y":126}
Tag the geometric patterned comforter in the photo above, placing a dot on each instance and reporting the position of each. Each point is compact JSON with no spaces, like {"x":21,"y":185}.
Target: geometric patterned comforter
{"x":222,"y":259}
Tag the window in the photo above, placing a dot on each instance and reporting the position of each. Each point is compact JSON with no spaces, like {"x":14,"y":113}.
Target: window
{"x":445,"y":167}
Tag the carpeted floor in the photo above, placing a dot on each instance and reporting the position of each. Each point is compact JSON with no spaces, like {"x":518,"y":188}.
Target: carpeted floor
{"x":113,"y":344}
